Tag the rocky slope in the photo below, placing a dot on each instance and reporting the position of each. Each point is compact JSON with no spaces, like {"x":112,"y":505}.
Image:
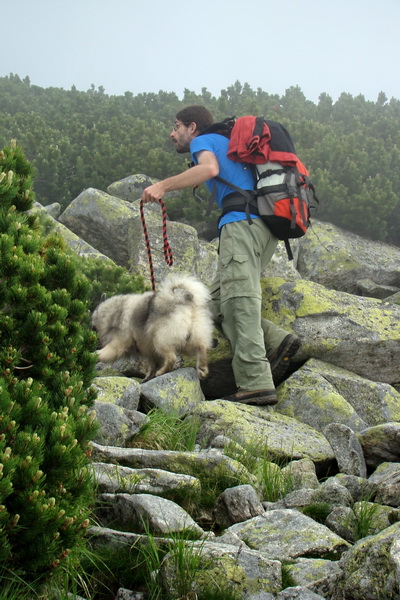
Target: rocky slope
{"x":317,"y":510}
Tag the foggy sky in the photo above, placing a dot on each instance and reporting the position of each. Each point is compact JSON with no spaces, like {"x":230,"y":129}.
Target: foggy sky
{"x":330,"y":46}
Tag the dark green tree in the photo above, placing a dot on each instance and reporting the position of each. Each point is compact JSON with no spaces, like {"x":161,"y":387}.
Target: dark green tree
{"x":78,"y":140}
{"x":46,"y":367}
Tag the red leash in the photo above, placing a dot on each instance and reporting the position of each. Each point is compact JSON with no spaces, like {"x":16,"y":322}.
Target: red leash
{"x":167,"y":247}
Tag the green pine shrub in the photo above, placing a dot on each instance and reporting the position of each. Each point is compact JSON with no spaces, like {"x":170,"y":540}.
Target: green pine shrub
{"x":47,"y":364}
{"x":108,"y":279}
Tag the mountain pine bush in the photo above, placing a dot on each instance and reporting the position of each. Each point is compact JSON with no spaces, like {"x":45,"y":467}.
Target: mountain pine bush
{"x":47,"y":364}
{"x":108,"y":279}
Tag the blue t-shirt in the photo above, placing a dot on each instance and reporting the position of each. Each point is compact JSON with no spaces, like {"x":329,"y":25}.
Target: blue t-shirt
{"x":239,"y":174}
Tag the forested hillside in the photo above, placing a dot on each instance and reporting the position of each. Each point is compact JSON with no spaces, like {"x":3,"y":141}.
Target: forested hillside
{"x":87,"y":139}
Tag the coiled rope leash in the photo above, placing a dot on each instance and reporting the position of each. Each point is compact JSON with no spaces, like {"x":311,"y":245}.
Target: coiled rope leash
{"x":167,"y":247}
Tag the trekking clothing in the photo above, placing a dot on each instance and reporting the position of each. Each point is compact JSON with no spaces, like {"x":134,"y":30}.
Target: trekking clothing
{"x":256,"y":397}
{"x":269,"y":141}
{"x":236,"y":296}
{"x":284,"y":195}
{"x":280,"y":358}
{"x":237,"y":173}
{"x":244,"y":252}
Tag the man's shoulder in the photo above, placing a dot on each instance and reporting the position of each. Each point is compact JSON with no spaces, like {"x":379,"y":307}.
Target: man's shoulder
{"x":209,"y":139}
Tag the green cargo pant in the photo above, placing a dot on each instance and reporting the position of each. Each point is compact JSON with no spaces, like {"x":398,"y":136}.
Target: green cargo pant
{"x":236,"y":302}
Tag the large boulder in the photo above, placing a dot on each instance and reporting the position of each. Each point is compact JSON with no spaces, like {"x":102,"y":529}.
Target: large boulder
{"x":201,"y":464}
{"x":371,"y":568}
{"x":344,"y":261}
{"x":288,"y":534}
{"x":107,"y":223}
{"x":143,"y":513}
{"x":309,"y":397}
{"x":381,"y":443}
{"x":111,"y":479}
{"x":361,"y":335}
{"x":130,"y":188}
{"x":114,"y":227}
{"x":285,"y":437}
{"x":373,"y":401}
{"x":216,"y":566}
{"x":175,"y":392}
{"x":76,"y":243}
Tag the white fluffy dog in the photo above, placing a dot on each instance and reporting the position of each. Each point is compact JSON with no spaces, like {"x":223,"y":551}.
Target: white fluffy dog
{"x":157,"y":326}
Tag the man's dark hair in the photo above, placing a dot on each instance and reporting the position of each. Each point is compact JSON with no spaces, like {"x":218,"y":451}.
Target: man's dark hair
{"x":196,"y":114}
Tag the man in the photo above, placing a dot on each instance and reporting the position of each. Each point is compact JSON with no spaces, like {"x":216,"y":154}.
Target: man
{"x":259,"y":346}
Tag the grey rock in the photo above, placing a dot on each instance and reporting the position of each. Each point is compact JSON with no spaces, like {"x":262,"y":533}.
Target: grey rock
{"x":288,"y":534}
{"x":393,"y":298}
{"x":261,"y":596}
{"x":220,"y":441}
{"x":298,"y":593}
{"x":124,"y":594}
{"x":386,"y":478}
{"x":316,"y":574}
{"x":130,"y":188}
{"x":347,"y":449}
{"x":204,"y":464}
{"x":143,"y":513}
{"x":230,"y":538}
{"x":359,"y":334}
{"x":121,"y":391}
{"x":370,"y":569}
{"x":333,"y":493}
{"x":350,"y":259}
{"x":376,"y":516}
{"x":109,"y":224}
{"x":343,"y":522}
{"x":359,"y":488}
{"x":381,"y":444}
{"x":76,"y":243}
{"x":237,"y":568}
{"x":117,"y":424}
{"x":367,"y":287}
{"x":114,"y":478}
{"x":302,"y":474}
{"x":280,"y":266}
{"x":53,"y":209}
{"x":112,"y":539}
{"x":299,"y":498}
{"x":237,"y":504}
{"x":309,"y":397}
{"x":373,"y":401}
{"x":178,"y":391}
{"x":114,"y":227}
{"x":287,"y":437}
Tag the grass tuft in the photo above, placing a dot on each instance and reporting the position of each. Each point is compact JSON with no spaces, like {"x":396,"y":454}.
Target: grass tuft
{"x":274,"y":483}
{"x":164,"y":430}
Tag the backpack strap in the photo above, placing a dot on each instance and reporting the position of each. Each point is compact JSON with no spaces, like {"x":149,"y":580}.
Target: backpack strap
{"x":288,"y":249}
{"x":241,"y":200}
{"x":223,"y":127}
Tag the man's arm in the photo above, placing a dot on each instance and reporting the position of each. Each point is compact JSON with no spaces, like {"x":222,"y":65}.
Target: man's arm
{"x":206,"y":169}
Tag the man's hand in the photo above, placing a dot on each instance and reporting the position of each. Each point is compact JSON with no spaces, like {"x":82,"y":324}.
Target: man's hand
{"x":206,"y":169}
{"x":153,"y":193}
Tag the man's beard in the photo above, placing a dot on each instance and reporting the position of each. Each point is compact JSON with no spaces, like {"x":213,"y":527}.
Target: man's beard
{"x":180,"y":149}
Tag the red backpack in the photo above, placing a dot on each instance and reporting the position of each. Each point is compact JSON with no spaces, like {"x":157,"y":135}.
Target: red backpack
{"x":284,"y":195}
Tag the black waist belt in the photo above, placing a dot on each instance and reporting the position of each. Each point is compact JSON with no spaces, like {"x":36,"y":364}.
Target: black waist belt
{"x":241,"y":202}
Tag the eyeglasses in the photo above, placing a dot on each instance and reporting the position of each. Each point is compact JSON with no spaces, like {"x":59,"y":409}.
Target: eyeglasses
{"x":177,"y":125}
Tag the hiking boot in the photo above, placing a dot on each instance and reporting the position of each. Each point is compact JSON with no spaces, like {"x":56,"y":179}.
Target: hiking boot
{"x":280,"y":359}
{"x":256,"y":397}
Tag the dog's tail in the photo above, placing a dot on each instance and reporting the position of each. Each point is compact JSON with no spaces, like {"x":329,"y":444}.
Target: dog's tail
{"x":184,"y":289}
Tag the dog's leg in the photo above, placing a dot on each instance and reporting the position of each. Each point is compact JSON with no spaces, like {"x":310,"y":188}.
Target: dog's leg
{"x":150,"y":371}
{"x":110,"y":352}
{"x":168,"y":364}
{"x":202,"y":362}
